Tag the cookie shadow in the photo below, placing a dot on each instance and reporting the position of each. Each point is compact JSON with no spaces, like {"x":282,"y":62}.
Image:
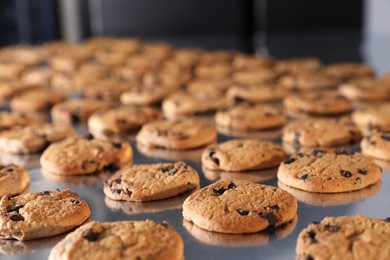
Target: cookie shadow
{"x":253,"y":176}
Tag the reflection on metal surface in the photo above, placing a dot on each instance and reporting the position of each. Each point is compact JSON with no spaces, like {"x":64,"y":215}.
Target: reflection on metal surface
{"x":148,"y":207}
{"x":15,"y":247}
{"x":166,"y":154}
{"x":90,"y":180}
{"x":253,"y":176}
{"x":263,"y":135}
{"x":291,"y":149}
{"x":26,"y":161}
{"x":331,"y":199}
{"x":239,"y":240}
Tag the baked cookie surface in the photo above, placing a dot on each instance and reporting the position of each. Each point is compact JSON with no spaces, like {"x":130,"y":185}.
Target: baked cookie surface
{"x":257,"y":93}
{"x":147,"y":182}
{"x":41,"y":214}
{"x":33,"y":138}
{"x":329,"y":172}
{"x":121,"y":240}
{"x":13,"y":179}
{"x":377,"y":145}
{"x":77,"y":155}
{"x":366,"y":89}
{"x":345,"y":71}
{"x":345,"y":237}
{"x":242,"y":155}
{"x":248,"y":117}
{"x":373,"y":117}
{"x":320,"y":133}
{"x":9,"y":120}
{"x":234,"y":207}
{"x":176,"y":134}
{"x":121,"y":121}
{"x":36,"y":100}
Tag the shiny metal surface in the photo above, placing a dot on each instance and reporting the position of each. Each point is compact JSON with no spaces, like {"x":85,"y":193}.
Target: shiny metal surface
{"x":200,"y":244}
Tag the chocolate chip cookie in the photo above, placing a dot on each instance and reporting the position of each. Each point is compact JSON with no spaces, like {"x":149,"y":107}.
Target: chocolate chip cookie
{"x":248,"y":117}
{"x":377,"y":145}
{"x":122,"y":239}
{"x":41,"y":214}
{"x":33,"y":138}
{"x":307,"y":81}
{"x":257,"y":93}
{"x":9,"y":120}
{"x":121,"y":121}
{"x":77,"y":155}
{"x":76,"y":111}
{"x":13,"y":180}
{"x":366,"y":89}
{"x":242,"y":155}
{"x":345,"y":237}
{"x":148,"y":182}
{"x":373,"y":117}
{"x":320,"y":133}
{"x":345,"y":71}
{"x":329,"y":172}
{"x":176,"y":134}
{"x":234,"y":207}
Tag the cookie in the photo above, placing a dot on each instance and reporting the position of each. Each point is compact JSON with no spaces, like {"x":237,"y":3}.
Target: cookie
{"x":217,"y":57}
{"x":41,"y":214}
{"x":215,"y":71}
{"x":346,"y":71}
{"x":320,"y":133}
{"x":366,"y":89}
{"x":377,"y":145}
{"x":298,"y":65}
{"x":176,"y":134}
{"x":76,"y":111}
{"x":345,"y":237}
{"x":325,"y":103}
{"x":248,"y":117}
{"x":33,"y":139}
{"x":9,"y":120}
{"x":121,"y":121}
{"x":11,"y":70}
{"x":145,"y":95}
{"x":37,"y":76}
{"x":234,"y":207}
{"x":329,"y":172}
{"x":242,"y":155}
{"x":252,"y":176}
{"x":252,"y":77}
{"x":77,"y":155}
{"x":260,"y":93}
{"x":184,"y":104}
{"x":250,"y":62}
{"x":109,"y":90}
{"x":36,"y":100}
{"x":307,"y":81}
{"x":13,"y":180}
{"x":373,"y":117}
{"x":12,"y":88}
{"x":148,"y":182}
{"x":122,"y":240}
{"x":218,"y":85}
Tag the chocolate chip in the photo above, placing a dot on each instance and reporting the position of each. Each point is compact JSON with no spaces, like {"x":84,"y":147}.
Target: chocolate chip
{"x":165,"y":224}
{"x":309,"y":257}
{"x":111,"y":167}
{"x":312,"y":236}
{"x":15,"y":208}
{"x":169,"y":169}
{"x":117,"y":145}
{"x":88,"y":136}
{"x":128,"y":192}
{"x":331,"y":228}
{"x":214,"y":159}
{"x":45,"y":193}
{"x":15,"y":217}
{"x":219,"y":191}
{"x":243,"y":212}
{"x":272,"y":219}
{"x":118,"y":191}
{"x":75,"y":118}
{"x":274,"y":207}
{"x":119,"y":180}
{"x":385,"y":137}
{"x":238,"y":99}
{"x":289,"y":159}
{"x":75,"y":201}
{"x":121,"y":121}
{"x":387,"y":219}
{"x":358,"y":181}
{"x":345,"y":173}
{"x":362,"y":171}
{"x":303,"y":177}
{"x":297,"y":135}
{"x":317,"y":153}
{"x":84,"y":164}
{"x":342,"y":151}
{"x":9,"y":169}
{"x":373,"y":142}
{"x":232,"y":186}
{"x":90,"y":235}
{"x":268,"y":114}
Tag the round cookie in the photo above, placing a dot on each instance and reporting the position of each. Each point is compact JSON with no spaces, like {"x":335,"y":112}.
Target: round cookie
{"x":41,"y":214}
{"x":307,"y":81}
{"x":254,"y":77}
{"x":249,"y":62}
{"x":76,"y":111}
{"x":109,"y":89}
{"x":13,"y":180}
{"x":366,"y":89}
{"x":329,"y":172}
{"x":298,"y":65}
{"x":36,"y":100}
{"x":9,"y":120}
{"x":345,"y":237}
{"x":317,"y":103}
{"x":182,"y":104}
{"x":320,"y":133}
{"x":37,"y":76}
{"x":234,"y":207}
{"x":247,"y":117}
{"x":176,"y":134}
{"x":373,"y":117}
{"x":345,"y":71}
{"x":121,"y":121}
{"x":145,"y":95}
{"x":121,"y":240}
{"x":12,"y":88}
{"x":377,"y":145}
{"x":77,"y":155}
{"x":215,"y":71}
{"x":258,"y":93}
{"x":33,"y":138}
{"x":242,"y":155}
{"x":148,"y":182}
{"x":219,"y":85}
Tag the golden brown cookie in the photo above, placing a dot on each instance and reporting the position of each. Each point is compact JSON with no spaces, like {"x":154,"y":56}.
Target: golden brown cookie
{"x":366,"y":89}
{"x":377,"y":145}
{"x":36,"y":100}
{"x":349,"y":70}
{"x":256,"y":93}
{"x":372,"y":117}
{"x":13,"y":180}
